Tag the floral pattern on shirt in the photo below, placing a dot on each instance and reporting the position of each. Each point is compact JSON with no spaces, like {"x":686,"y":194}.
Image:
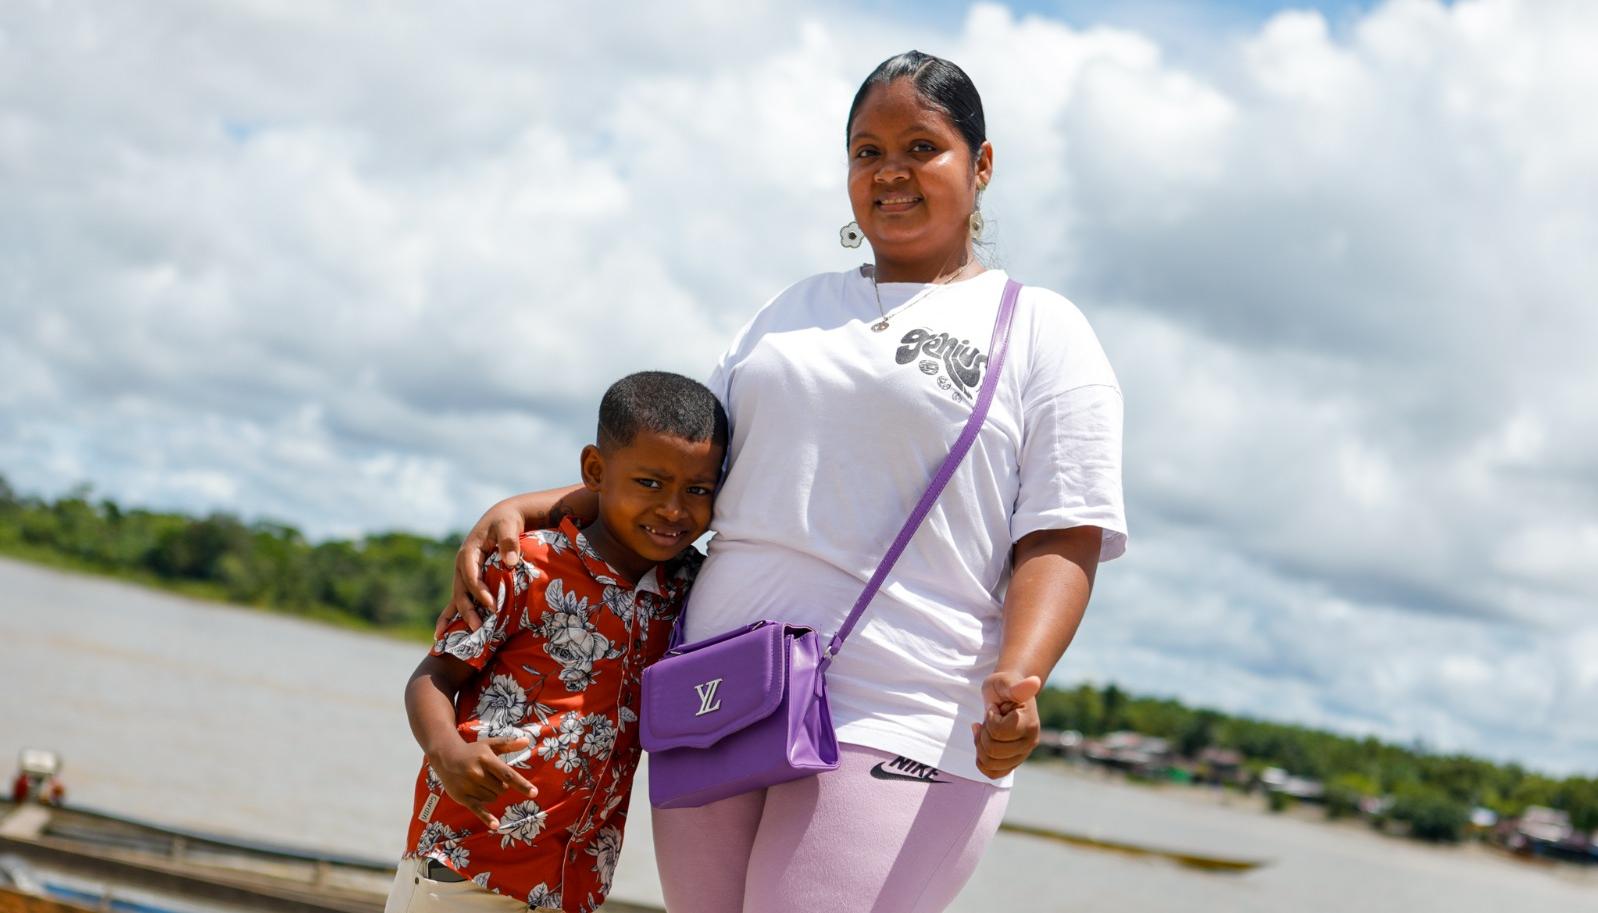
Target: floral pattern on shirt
{"x":560,"y":662}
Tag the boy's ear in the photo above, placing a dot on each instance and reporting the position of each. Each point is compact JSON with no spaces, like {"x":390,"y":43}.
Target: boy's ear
{"x":593,"y":467}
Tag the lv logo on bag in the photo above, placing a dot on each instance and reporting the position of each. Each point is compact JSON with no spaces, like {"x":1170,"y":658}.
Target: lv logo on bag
{"x":707,"y":696}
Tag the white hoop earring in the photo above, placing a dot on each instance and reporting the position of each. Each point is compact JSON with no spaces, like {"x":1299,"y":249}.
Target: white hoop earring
{"x":976,"y":224}
{"x":850,"y":235}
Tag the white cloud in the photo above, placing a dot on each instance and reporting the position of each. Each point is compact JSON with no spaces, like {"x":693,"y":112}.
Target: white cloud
{"x":374,"y":272}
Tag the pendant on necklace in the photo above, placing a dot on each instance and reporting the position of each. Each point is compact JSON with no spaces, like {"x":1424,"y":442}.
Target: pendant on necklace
{"x":880,"y":325}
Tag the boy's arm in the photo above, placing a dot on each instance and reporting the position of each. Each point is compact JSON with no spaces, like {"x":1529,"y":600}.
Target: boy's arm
{"x":472,"y":772}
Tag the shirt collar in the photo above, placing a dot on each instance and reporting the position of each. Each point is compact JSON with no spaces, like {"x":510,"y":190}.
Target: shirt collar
{"x":650,"y":583}
{"x":599,"y":567}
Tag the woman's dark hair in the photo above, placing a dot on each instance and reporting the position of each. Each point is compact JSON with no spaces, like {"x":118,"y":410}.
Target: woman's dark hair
{"x":940,"y":84}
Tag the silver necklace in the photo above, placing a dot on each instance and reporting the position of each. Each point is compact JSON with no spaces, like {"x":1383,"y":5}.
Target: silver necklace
{"x":915,"y":299}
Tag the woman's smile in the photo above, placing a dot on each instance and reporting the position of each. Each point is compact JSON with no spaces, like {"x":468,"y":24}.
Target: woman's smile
{"x":897,"y":203}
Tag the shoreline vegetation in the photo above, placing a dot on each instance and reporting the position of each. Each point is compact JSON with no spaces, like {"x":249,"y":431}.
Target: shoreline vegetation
{"x":394,"y":583}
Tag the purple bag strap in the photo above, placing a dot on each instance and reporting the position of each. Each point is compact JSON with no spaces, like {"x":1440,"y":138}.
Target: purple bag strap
{"x":979,"y":413}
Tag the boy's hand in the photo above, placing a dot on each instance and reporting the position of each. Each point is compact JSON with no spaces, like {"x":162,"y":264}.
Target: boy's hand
{"x":474,"y":775}
{"x":1010,"y":731}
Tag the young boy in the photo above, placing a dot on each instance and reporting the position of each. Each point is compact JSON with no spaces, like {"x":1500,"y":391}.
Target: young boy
{"x":530,"y":722}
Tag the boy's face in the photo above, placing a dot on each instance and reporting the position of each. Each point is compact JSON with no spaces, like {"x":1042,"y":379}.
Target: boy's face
{"x":655,"y":496}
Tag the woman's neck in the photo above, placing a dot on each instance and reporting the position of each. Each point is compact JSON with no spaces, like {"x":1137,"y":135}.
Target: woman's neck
{"x":961,"y":265}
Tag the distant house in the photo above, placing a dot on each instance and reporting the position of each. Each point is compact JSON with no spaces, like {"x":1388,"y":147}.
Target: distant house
{"x":1543,"y":831}
{"x":1544,"y":825}
{"x":1060,"y":743}
{"x":1220,"y":765}
{"x":1130,"y":751}
{"x":1277,"y":780}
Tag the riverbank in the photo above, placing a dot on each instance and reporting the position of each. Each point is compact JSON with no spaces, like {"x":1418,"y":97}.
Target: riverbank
{"x":1307,"y":863}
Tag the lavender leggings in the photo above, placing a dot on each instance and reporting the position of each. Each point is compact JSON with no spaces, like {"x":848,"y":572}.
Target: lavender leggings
{"x":879,"y":833}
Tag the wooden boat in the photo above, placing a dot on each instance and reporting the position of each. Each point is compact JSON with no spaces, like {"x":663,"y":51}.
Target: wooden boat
{"x":72,"y":846}
{"x":185,"y":870}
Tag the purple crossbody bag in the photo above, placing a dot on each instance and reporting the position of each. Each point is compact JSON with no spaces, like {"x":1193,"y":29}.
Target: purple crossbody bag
{"x":747,"y":709}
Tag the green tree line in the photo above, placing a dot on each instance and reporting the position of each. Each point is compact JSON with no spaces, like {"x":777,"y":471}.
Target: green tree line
{"x":1432,"y":793}
{"x":400,"y":580}
{"x":390,"y":580}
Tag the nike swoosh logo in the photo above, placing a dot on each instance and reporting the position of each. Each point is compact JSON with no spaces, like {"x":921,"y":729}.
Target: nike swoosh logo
{"x":882,"y":773}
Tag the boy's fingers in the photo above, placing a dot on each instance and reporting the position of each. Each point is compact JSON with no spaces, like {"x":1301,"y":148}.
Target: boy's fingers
{"x":506,"y":744}
{"x":504,"y":775}
{"x":514,"y":780}
{"x":487,"y":816}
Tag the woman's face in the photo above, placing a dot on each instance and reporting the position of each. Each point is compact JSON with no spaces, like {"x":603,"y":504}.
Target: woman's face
{"x":912,"y":178}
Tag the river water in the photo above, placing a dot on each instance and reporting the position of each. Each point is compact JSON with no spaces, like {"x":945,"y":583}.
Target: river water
{"x":258,"y":725}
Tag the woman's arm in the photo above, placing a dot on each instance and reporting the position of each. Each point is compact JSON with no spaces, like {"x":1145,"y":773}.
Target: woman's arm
{"x":500,"y":529}
{"x":1048,"y":594}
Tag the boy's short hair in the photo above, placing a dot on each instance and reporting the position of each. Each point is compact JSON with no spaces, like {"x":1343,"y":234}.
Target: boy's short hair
{"x":661,"y":402}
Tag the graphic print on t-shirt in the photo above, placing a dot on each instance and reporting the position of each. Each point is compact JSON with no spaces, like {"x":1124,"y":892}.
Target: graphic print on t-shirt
{"x":955,"y":362}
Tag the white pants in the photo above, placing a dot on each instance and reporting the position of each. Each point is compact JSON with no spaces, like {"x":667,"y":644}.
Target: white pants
{"x":414,"y":892}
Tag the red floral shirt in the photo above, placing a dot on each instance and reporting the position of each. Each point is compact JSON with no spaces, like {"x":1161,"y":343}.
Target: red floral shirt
{"x":561,"y":661}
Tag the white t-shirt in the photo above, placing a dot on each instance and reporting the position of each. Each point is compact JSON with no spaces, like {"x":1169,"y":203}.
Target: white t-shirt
{"x":836,"y":431}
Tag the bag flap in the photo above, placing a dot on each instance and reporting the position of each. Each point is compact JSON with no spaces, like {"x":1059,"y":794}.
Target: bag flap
{"x":701,"y":692}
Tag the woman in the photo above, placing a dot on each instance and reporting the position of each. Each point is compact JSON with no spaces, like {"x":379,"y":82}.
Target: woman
{"x":845,"y":393}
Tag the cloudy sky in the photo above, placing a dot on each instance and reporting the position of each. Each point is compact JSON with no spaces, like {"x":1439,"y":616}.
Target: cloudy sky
{"x":370,"y":266}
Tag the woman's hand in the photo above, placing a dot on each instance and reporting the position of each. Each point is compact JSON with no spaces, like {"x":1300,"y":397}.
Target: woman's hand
{"x":1011,"y":729}
{"x":501,"y":530}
